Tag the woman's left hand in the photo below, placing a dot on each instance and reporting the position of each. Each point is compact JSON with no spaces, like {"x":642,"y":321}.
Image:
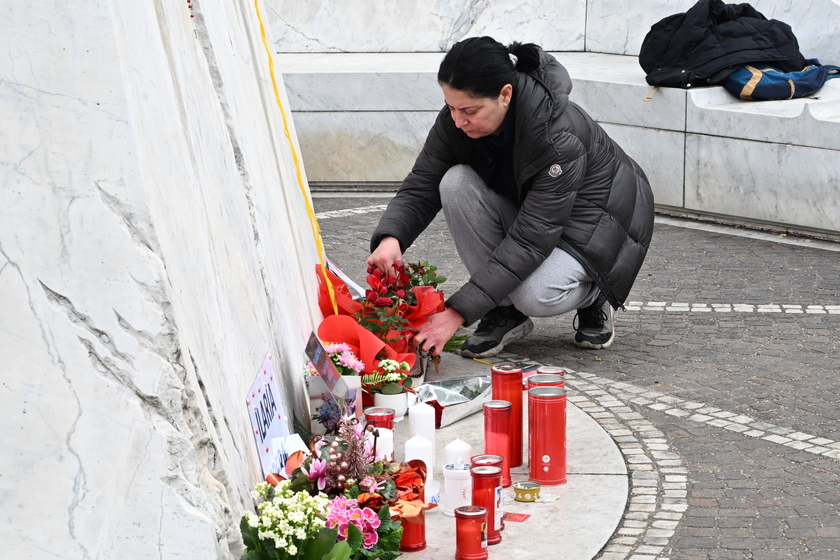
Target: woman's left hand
{"x":437,"y":330}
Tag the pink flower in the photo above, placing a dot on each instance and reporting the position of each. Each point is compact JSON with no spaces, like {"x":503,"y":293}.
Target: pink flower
{"x":371,"y":539}
{"x":317,"y":471}
{"x":336,"y":347}
{"x":349,"y":360}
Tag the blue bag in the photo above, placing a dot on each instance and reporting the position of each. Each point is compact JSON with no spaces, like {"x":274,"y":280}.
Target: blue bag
{"x":764,"y":83}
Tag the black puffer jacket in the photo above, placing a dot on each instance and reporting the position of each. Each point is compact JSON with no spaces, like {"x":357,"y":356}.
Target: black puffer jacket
{"x":711,"y":40}
{"x":599,"y":207}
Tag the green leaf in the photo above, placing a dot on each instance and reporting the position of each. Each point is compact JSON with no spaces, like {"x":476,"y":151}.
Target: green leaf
{"x":321,"y":544}
{"x":353,"y":492}
{"x":248,"y":537}
{"x":392,"y":389}
{"x":300,"y":429}
{"x":341,"y":551}
{"x":301,"y":484}
{"x":389,"y":491}
{"x":375,"y":469}
{"x":354,"y":537}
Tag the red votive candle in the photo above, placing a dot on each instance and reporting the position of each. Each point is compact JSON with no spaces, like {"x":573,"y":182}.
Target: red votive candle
{"x":470,"y":533}
{"x":545,"y":380}
{"x":414,"y":534}
{"x":487,"y":493}
{"x":496,"y":434}
{"x":547,"y":435}
{"x":380,"y":417}
{"x":507,"y":386}
{"x":487,"y":460}
{"x":553,"y":370}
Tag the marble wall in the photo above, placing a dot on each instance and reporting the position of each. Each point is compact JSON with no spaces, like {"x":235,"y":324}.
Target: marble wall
{"x":412,"y":26}
{"x":153,"y":248}
{"x":605,"y":26}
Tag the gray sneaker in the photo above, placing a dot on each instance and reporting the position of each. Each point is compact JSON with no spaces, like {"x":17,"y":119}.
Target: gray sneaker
{"x":499,"y":327}
{"x":595,"y":327}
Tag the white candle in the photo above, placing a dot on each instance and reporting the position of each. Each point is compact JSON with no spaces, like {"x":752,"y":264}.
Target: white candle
{"x":421,"y":420}
{"x":457,"y":486}
{"x":421,"y":448}
{"x":384,"y":444}
{"x":457,"y":448}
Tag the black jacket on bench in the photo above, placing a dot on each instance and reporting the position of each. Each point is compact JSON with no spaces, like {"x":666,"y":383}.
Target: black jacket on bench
{"x":712,"y":40}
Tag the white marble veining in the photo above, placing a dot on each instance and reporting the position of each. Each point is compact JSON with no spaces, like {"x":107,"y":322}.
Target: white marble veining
{"x":347,"y":147}
{"x":815,"y":23}
{"x":336,"y":26}
{"x":619,"y":26}
{"x":660,"y":153}
{"x":760,"y":181}
{"x":153,"y":245}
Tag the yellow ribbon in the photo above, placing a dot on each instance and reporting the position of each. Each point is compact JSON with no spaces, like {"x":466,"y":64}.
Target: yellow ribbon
{"x":313,"y":221}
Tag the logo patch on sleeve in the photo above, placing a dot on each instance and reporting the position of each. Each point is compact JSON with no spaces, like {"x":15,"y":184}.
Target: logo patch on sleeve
{"x":555,"y":170}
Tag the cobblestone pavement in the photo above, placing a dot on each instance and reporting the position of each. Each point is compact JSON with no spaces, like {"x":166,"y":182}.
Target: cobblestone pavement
{"x":721,"y":388}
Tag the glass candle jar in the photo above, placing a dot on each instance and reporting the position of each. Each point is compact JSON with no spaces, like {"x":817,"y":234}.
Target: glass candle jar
{"x":487,"y":493}
{"x":497,"y":434}
{"x":547,"y":435}
{"x":414,"y":533}
{"x":507,"y":386}
{"x":470,"y":533}
{"x":544,"y":380}
{"x":380,"y":417}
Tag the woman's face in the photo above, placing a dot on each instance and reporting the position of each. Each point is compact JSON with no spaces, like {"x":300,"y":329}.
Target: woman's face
{"x":478,"y":116}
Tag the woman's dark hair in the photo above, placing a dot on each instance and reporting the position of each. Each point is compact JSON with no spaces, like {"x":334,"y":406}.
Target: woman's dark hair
{"x":482,"y":65}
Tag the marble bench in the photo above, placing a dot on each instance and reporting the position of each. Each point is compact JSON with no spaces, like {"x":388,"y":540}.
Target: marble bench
{"x":363,"y":117}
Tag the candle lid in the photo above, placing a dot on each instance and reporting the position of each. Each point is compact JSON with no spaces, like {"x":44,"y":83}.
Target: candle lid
{"x":379,"y":411}
{"x":498,"y":404}
{"x":486,"y":459}
{"x":486,"y":472}
{"x":549,"y":392}
{"x":551,"y":370}
{"x":545,"y":378}
{"x":470,"y":512}
{"x":506,"y":368}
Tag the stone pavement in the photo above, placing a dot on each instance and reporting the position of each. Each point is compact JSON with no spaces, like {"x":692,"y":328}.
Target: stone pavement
{"x":720,"y":389}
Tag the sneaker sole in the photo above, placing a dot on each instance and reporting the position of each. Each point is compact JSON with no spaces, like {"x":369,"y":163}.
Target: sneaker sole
{"x":512,"y":335}
{"x":590,"y":346}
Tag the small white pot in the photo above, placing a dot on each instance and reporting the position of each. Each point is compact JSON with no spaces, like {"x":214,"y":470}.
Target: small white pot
{"x":398,"y":402}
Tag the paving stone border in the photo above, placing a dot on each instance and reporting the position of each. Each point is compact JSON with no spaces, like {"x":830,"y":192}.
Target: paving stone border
{"x":731,"y":307}
{"x":350,"y":212}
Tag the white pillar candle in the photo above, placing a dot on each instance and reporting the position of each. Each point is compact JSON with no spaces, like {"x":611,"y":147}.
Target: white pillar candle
{"x":384,"y":444}
{"x":457,"y":448}
{"x":421,"y":420}
{"x":421,"y":448}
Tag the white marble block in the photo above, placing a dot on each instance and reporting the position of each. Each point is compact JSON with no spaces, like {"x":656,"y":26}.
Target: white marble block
{"x":362,"y":146}
{"x":660,"y":153}
{"x":153,"y":248}
{"x":415,"y":26}
{"x":775,"y":183}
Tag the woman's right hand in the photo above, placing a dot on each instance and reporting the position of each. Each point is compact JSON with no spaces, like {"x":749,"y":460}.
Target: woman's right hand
{"x":386,"y":255}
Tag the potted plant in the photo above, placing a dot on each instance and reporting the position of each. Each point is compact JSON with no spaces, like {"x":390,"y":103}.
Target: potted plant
{"x":390,"y":384}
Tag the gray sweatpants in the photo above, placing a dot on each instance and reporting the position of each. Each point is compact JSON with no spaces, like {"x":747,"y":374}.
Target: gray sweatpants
{"x":478,"y":219}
